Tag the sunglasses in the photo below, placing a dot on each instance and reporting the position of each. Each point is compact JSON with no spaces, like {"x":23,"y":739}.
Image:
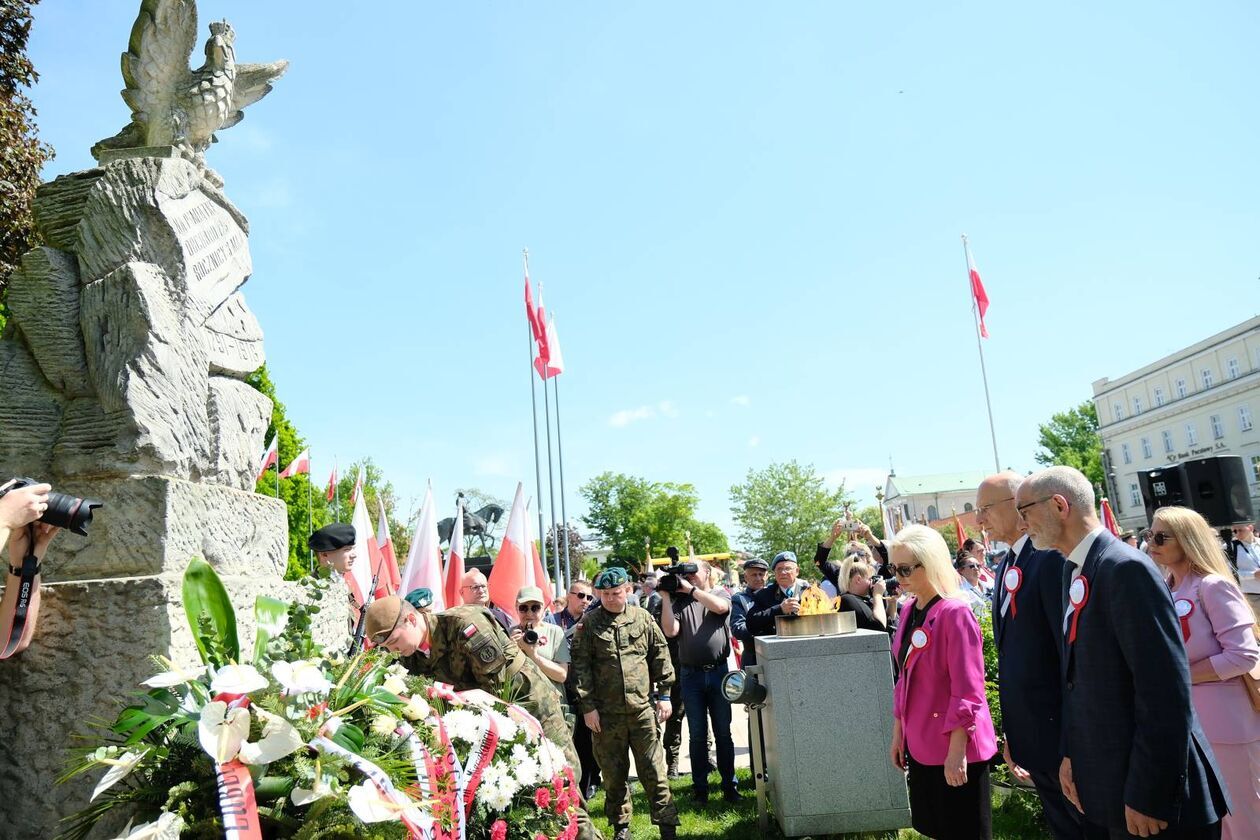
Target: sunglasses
{"x":1159,"y":537}
{"x":529,"y":608}
{"x":906,"y":571}
{"x":585,"y":596}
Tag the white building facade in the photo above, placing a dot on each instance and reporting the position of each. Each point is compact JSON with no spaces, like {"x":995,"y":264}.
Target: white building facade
{"x":914,"y":498}
{"x":1196,"y":403}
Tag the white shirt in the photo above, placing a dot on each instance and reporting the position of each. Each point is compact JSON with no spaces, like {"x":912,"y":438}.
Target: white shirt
{"x":1077,"y":559}
{"x":1248,"y":561}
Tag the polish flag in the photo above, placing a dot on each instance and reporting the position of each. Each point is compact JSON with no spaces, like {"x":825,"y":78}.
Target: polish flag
{"x":540,"y":572}
{"x":424,"y":560}
{"x":552,"y":364}
{"x":270,"y":456}
{"x":358,"y":487}
{"x":367,"y":559}
{"x":300,"y":464}
{"x":535,"y":325}
{"x":385,"y":544}
{"x":513,"y":566}
{"x":977,"y":288}
{"x":1109,"y":518}
{"x":455,"y":558}
{"x":959,"y":533}
{"x":332,"y":484}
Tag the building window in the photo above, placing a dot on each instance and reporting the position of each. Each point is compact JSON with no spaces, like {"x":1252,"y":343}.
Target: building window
{"x":968,"y":508}
{"x":1231,"y":369}
{"x":1244,"y":418}
{"x":1168,"y":444}
{"x":1117,"y":412}
{"x":1159,"y":397}
{"x":932,"y":513}
{"x":1146,"y":448}
{"x":1218,"y":428}
{"x":1207,"y":377}
{"x":1255,"y":467}
{"x":1135,"y":495}
{"x":1125,"y":453}
{"x":1181,"y":389}
{"x":1192,"y":434}
{"x":1137,"y":406}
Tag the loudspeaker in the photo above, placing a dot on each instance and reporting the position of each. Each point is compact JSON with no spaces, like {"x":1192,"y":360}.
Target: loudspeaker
{"x":1217,"y":489}
{"x":1162,"y":487}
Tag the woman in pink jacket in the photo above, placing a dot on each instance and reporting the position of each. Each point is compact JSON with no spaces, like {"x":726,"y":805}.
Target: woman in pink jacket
{"x":942,"y":733}
{"x":1218,"y":627}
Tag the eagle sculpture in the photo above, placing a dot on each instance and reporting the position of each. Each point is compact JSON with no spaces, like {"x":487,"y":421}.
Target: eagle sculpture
{"x":172,"y":105}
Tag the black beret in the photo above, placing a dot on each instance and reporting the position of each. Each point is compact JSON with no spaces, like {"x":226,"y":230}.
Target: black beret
{"x":332,"y":537}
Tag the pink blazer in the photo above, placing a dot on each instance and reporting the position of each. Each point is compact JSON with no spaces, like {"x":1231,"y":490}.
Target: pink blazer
{"x":942,"y":688}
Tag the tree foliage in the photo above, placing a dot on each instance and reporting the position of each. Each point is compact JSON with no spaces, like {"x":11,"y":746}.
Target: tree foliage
{"x":785,"y":507}
{"x":1071,"y":439}
{"x":22,"y":155}
{"x":874,"y":519}
{"x":627,"y":511}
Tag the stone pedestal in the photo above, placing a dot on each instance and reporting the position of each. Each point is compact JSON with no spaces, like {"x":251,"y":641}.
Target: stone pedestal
{"x":827,"y":725}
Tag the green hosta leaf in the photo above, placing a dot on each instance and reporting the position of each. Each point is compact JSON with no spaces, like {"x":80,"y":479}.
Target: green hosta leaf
{"x":204,"y":595}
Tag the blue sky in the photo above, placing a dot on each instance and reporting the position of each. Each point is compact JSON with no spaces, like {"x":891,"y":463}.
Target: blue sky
{"x":746,"y":217}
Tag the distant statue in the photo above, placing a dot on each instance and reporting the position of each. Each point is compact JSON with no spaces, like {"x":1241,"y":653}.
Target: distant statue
{"x":172,"y":105}
{"x":479,"y":525}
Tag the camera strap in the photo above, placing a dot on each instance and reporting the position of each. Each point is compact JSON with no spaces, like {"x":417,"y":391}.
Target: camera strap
{"x":27,"y":587}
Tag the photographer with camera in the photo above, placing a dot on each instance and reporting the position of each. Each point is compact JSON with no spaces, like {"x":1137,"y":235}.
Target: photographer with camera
{"x":697,"y":616}
{"x":863,"y":593}
{"x":540,"y":641}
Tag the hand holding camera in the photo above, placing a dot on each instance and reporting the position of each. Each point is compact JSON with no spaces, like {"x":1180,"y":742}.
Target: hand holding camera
{"x":527,"y":639}
{"x":20,"y":505}
{"x":878,"y":587}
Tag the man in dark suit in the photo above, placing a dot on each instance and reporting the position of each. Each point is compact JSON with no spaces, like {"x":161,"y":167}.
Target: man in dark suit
{"x":1027,"y":615}
{"x":1135,"y":761}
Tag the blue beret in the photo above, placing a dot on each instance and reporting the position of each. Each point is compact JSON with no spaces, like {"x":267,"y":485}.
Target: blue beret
{"x":609,"y":578}
{"x":783,"y":557}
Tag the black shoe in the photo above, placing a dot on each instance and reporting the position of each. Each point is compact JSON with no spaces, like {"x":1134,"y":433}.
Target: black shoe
{"x":590,"y":793}
{"x":730,"y":794}
{"x":673,"y":773}
{"x":621,"y":832}
{"x":700,"y":797}
{"x":668,"y":832}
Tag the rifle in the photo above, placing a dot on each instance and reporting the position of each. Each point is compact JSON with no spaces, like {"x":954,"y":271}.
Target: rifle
{"x":368,"y":598}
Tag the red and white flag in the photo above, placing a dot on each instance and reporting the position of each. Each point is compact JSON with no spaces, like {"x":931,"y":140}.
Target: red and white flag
{"x":455,"y":557}
{"x":271,"y":455}
{"x":1109,"y":518}
{"x":553,"y":363}
{"x":540,"y":572}
{"x":358,"y":487}
{"x":535,"y":325}
{"x":516,"y":564}
{"x":332,"y":484}
{"x":385,"y":544}
{"x":366,"y":557}
{"x":977,"y":288}
{"x":424,"y":560}
{"x":300,"y":464}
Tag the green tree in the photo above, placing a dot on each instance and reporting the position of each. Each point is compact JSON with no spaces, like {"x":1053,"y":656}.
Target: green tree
{"x":874,"y":519}
{"x":1071,"y":439}
{"x":22,"y":155}
{"x":785,"y":507}
{"x":627,"y":511}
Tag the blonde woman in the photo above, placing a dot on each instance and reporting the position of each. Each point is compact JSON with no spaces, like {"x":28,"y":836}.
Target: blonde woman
{"x":942,"y":732}
{"x":860,"y":595}
{"x":1218,"y":628}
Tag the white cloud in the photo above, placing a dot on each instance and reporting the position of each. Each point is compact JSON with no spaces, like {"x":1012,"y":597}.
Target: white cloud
{"x":742,"y":399}
{"x":860,"y":482}
{"x":667,"y":408}
{"x":754,"y":440}
{"x":631,"y":415}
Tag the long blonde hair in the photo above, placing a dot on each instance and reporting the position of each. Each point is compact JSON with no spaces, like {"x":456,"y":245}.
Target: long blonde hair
{"x":928,"y":547}
{"x":1198,"y":543}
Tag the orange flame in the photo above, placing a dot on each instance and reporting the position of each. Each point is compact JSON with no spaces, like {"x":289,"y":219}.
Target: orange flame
{"x":815,"y":602}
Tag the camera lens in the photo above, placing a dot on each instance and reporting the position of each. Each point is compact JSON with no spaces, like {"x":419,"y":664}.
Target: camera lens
{"x":531,"y":637}
{"x":70,"y":512}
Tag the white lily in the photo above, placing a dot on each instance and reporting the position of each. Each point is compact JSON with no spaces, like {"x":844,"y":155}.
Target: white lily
{"x":175,"y":676}
{"x":165,"y":827}
{"x":279,"y":739}
{"x":119,"y":769}
{"x":370,"y":805}
{"x":222,"y":730}
{"x":237,"y":679}
{"x":394,"y":684}
{"x":301,"y":677}
{"x":304,"y":796}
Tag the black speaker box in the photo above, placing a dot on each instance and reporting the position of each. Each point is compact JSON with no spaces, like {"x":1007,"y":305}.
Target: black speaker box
{"x":1162,"y":487}
{"x":1217,"y":489}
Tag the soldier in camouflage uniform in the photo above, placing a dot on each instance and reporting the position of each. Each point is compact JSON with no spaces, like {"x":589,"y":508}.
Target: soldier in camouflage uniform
{"x":623,"y":680}
{"x":466,"y":647}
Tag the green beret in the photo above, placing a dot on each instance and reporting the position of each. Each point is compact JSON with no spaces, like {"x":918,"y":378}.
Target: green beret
{"x":609,"y":578}
{"x":420,"y":598}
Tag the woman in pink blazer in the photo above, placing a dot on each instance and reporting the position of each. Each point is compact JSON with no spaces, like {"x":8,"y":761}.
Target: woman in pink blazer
{"x":1218,"y":627}
{"x":942,"y":732}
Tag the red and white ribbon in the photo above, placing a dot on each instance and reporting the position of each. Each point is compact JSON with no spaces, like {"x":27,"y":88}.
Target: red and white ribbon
{"x":1013,"y":580}
{"x":919,"y":640}
{"x":1078,"y":595}
{"x":1185,"y":609}
{"x":418,"y":823}
{"x":237,"y":802}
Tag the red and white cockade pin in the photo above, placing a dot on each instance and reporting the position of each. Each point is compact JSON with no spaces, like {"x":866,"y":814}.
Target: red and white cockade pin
{"x":1184,"y":609}
{"x":1013,"y":580}
{"x":918,"y":641}
{"x":1078,"y":594}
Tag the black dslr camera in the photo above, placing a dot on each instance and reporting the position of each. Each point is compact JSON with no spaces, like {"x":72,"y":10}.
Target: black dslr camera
{"x":69,"y":512}
{"x":531,"y":637}
{"x":670,"y":580}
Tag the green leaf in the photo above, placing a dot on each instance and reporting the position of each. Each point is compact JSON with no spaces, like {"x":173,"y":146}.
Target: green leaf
{"x":270,"y":617}
{"x":204,"y":595}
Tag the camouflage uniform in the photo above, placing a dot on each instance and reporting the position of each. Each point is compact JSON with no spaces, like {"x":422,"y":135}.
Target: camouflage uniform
{"x":468,"y":649}
{"x":618,"y":657}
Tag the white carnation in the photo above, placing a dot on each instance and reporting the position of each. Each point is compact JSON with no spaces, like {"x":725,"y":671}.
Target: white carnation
{"x":384,"y":725}
{"x":520,"y":753}
{"x":529,"y":771}
{"x":463,"y":724}
{"x":508,"y":730}
{"x":497,"y":797}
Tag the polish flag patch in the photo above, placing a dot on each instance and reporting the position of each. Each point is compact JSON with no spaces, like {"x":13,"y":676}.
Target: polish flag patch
{"x":470,"y":631}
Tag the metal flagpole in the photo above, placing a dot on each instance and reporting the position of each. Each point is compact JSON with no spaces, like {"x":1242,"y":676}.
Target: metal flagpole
{"x":551,"y":488}
{"x":337,"y":488}
{"x":310,"y":504}
{"x":975,"y":311}
{"x":533,"y":413}
{"x":564,"y":516}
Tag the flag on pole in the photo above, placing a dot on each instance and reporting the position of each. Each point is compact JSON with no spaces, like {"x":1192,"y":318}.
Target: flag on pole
{"x":385,"y":544}
{"x":271,"y":455}
{"x":359,"y":578}
{"x":958,"y":530}
{"x":455,"y":557}
{"x":513,"y":565}
{"x":977,"y":289}
{"x":424,"y":560}
{"x":332,"y":484}
{"x":1109,"y":518}
{"x":535,"y":325}
{"x":358,"y":487}
{"x":552,"y":363}
{"x":300,"y":464}
{"x":540,"y":572}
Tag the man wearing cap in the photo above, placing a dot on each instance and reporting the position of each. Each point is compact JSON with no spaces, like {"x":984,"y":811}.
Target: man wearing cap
{"x":466,"y":647}
{"x":623,"y":680}
{"x":755,"y":572}
{"x":550,"y":650}
{"x":783,"y":597}
{"x":334,"y":548}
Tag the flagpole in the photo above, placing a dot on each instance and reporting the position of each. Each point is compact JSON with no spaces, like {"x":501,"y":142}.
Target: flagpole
{"x":310,"y":515}
{"x":975,"y":312}
{"x":551,"y":489}
{"x":564,"y":516}
{"x":533,"y":413}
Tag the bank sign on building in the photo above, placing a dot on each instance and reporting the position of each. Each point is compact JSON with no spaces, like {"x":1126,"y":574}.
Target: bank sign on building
{"x":1198,"y":402}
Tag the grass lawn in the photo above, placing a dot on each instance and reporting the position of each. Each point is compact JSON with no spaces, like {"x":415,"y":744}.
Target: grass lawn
{"x":1013,"y":820}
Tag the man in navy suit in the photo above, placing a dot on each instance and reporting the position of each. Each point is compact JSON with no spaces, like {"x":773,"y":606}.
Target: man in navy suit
{"x":1027,"y":615}
{"x":1135,"y":761}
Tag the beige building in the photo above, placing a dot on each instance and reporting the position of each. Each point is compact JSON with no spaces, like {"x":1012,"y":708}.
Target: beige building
{"x":1198,"y":402}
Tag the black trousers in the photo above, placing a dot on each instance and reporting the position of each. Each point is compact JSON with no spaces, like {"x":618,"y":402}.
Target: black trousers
{"x":1208,"y":832}
{"x":1066,"y":823}
{"x":943,"y":812}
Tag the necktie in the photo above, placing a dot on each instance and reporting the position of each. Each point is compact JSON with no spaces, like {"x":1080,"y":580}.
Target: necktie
{"x":1069,"y":573}
{"x":1007,"y":563}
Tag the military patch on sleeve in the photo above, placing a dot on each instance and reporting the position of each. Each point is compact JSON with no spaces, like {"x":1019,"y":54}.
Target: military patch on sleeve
{"x":487,"y":654}
{"x":470,"y":631}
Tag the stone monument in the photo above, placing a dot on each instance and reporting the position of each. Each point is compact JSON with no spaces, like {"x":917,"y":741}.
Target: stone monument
{"x":122,"y":377}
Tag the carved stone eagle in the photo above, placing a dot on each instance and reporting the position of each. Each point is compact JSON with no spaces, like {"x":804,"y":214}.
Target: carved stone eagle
{"x":172,"y":105}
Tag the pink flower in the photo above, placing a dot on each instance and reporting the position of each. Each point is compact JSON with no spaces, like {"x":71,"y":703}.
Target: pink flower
{"x":542,"y":797}
{"x":541,"y":836}
{"x":498,"y":831}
